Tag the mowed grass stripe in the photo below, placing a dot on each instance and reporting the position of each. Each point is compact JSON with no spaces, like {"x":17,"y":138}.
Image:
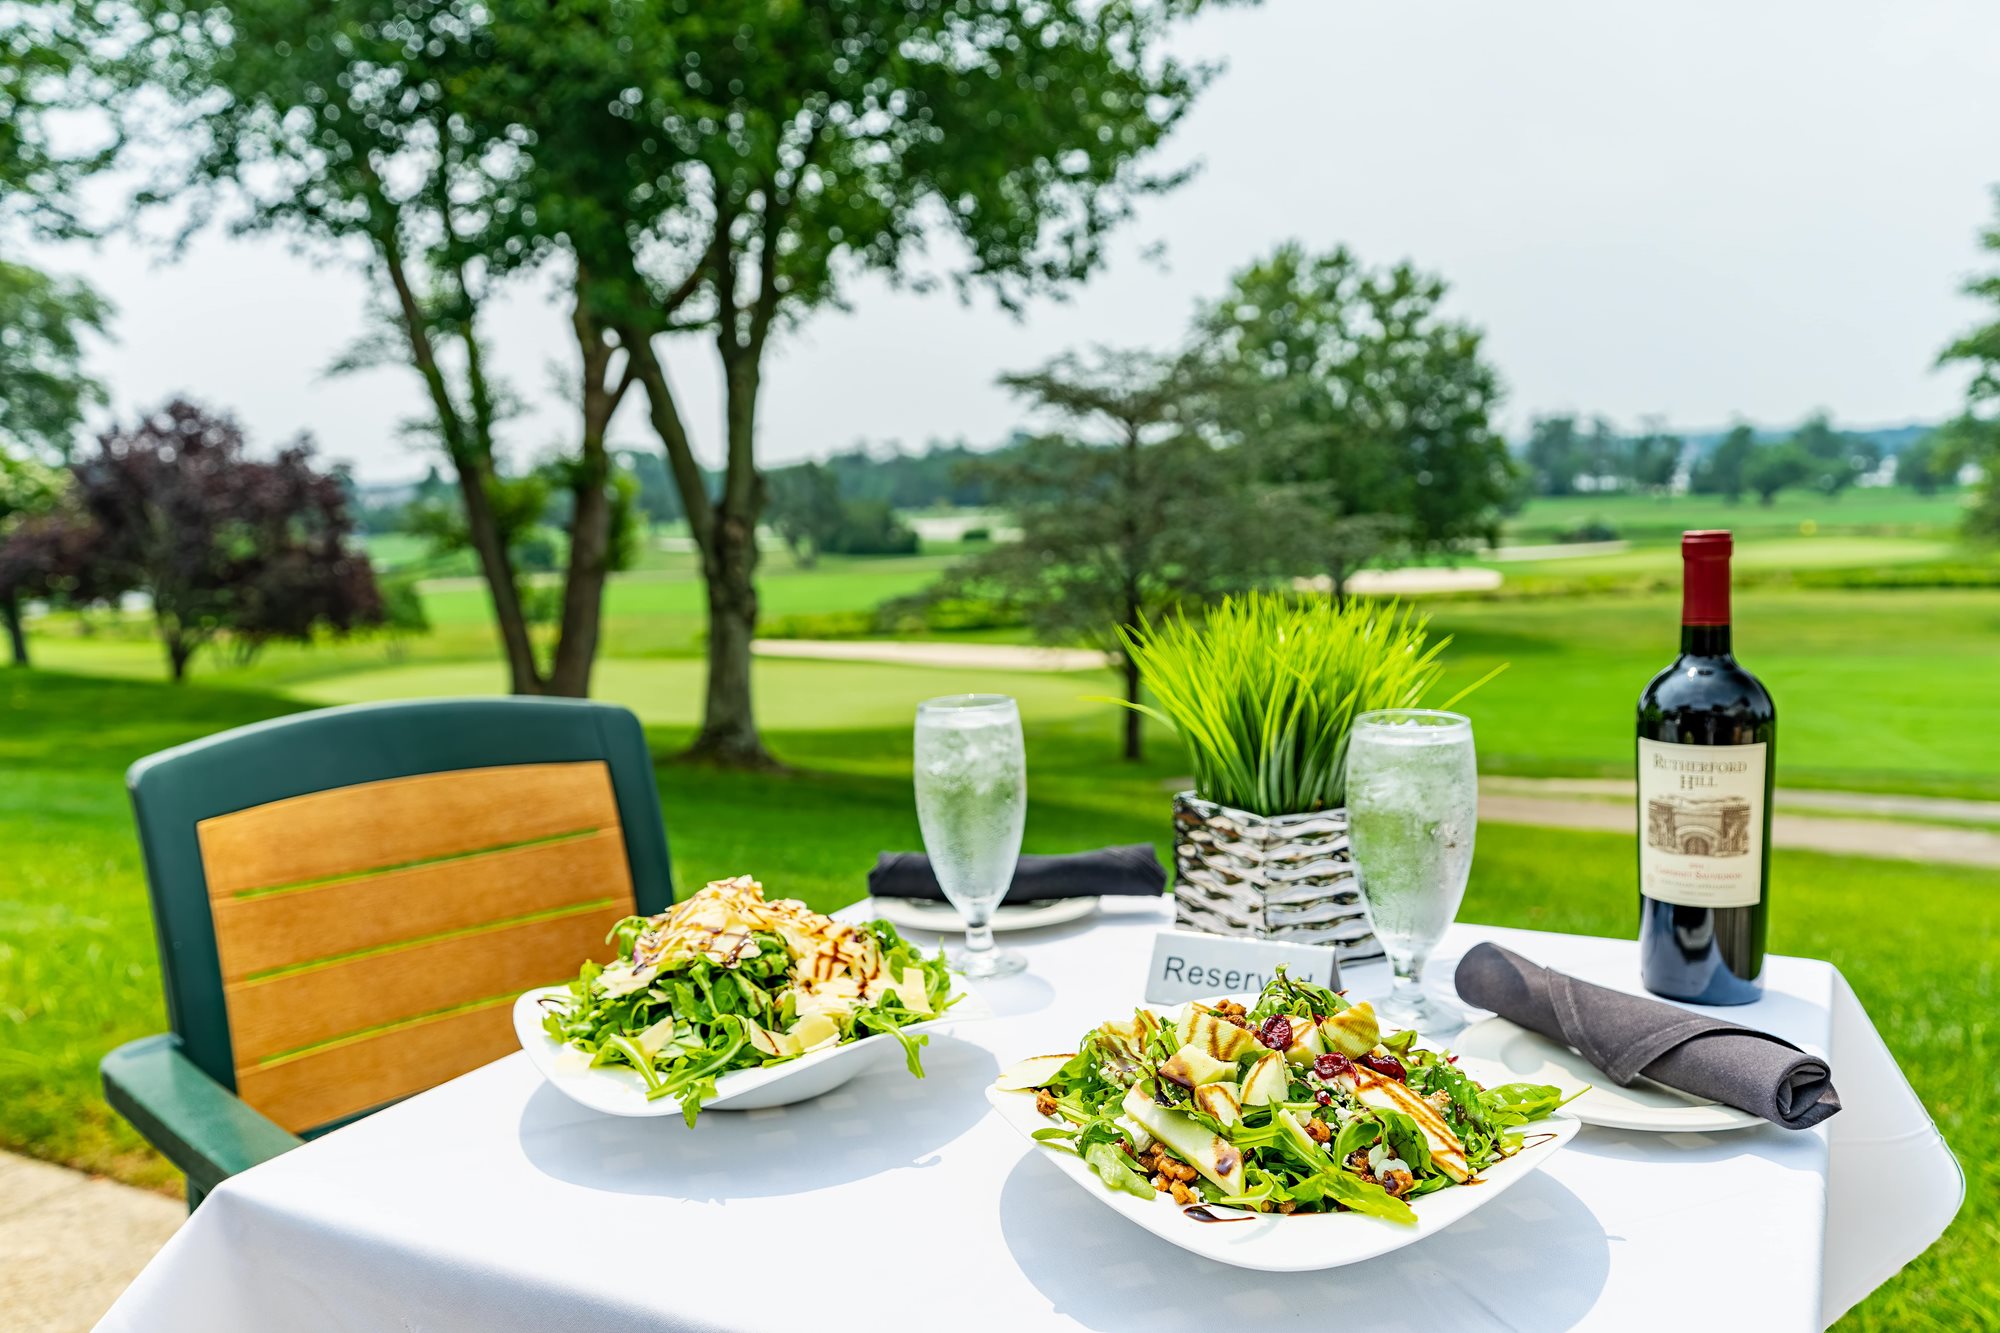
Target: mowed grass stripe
{"x":373,"y":872}
{"x":398,"y":946}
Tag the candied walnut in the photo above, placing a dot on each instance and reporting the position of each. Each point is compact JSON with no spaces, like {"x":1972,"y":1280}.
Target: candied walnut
{"x":1317,"y":1131}
{"x":1232,"y":1013}
{"x":1182,"y":1194}
{"x":1398,"y":1182}
{"x":1287,"y":1207}
{"x":1045,"y":1102}
{"x":1179,"y":1171}
{"x":1161,"y":1184}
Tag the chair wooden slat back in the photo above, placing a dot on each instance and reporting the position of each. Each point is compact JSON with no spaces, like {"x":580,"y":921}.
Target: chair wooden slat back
{"x":368,"y":937}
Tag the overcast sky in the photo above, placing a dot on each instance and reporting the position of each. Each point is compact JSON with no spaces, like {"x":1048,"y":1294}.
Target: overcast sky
{"x":1695,"y":211}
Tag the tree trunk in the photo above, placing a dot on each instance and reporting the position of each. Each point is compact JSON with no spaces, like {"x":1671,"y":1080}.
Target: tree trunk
{"x":729,"y":562}
{"x":179,"y":650}
{"x":471,"y":460}
{"x":17,"y":634}
{"x":590,"y":521}
{"x":1337,"y":578}
{"x":1133,"y":720}
{"x":494,"y":564}
{"x":729,"y":722}
{"x":583,"y":586}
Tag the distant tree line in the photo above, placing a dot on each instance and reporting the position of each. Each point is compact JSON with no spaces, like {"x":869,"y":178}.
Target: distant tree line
{"x":1566,"y":455}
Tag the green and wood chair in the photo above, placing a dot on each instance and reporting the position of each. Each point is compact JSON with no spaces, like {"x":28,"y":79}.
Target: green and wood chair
{"x":348,"y":901}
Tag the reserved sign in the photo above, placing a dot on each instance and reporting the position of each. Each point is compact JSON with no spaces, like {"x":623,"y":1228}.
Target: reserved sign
{"x":1187,"y":966}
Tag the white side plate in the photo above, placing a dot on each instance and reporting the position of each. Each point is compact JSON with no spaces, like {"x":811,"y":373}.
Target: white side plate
{"x":620,"y":1091}
{"x":1529,"y":1057}
{"x":943,"y":918}
{"x":1302,"y":1242}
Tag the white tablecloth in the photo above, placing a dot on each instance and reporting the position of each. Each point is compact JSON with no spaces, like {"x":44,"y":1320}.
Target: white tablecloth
{"x":493,"y":1203}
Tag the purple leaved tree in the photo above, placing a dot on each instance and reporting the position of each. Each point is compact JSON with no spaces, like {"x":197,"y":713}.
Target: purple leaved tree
{"x":223,"y":545}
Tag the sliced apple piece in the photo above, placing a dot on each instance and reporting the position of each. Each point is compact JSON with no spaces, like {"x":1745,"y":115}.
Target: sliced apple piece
{"x":1223,"y":1040}
{"x":1220,"y":1100}
{"x":1191,"y":1067}
{"x":1135,"y":1034}
{"x":1267,"y":1081}
{"x":1037,"y":1071}
{"x":1307,"y":1045}
{"x":1216,"y":1158}
{"x":1387,"y":1094}
{"x":1352,"y":1032}
{"x":1184,"y":1021}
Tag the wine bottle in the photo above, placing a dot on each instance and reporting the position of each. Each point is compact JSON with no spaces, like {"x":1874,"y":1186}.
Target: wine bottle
{"x":1707,"y":731}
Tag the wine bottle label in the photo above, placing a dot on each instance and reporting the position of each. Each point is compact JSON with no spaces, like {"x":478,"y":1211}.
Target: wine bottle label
{"x":1701,"y":823}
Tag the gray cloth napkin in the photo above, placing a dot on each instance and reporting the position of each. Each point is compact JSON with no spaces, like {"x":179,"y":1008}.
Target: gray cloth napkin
{"x":1131,"y":870}
{"x":1629,"y":1035}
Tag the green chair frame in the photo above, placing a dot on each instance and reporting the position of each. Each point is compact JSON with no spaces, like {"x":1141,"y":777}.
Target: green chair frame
{"x":178,"y":1089}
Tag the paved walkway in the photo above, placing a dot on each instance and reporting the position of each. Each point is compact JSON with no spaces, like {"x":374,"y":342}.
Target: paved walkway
{"x":69,"y":1243}
{"x":985,"y":656}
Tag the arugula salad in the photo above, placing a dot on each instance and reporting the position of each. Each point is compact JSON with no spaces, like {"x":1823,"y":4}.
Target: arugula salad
{"x":1297,"y":1104}
{"x":726,"y":980}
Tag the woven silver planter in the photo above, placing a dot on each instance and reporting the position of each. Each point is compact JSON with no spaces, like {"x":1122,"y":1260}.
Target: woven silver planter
{"x":1277,"y":877}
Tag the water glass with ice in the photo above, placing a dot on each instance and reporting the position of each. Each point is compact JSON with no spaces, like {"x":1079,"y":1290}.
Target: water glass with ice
{"x":1412,"y":807}
{"x":972,"y":799}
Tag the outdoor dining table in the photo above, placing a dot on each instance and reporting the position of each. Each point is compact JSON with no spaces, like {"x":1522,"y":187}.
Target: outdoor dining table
{"x":494,"y":1203}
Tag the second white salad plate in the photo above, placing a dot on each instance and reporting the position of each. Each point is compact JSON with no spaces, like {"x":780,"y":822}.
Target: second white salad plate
{"x":615,"y":1090}
{"x":1498,"y":1044}
{"x":1304,"y":1241}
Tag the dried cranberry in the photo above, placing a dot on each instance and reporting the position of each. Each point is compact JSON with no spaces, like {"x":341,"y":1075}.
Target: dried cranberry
{"x":1388,"y":1066}
{"x":1331,"y":1066}
{"x":1323,"y":1097}
{"x":1276,"y":1032}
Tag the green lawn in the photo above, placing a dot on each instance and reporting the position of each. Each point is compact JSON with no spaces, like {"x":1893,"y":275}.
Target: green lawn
{"x":1654,"y":518}
{"x":1882,"y":691}
{"x":1877,"y":690}
{"x":78,"y":975}
{"x":1754,"y":556}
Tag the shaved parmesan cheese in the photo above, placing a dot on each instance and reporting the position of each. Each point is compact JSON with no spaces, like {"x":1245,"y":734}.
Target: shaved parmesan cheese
{"x":836,"y":967}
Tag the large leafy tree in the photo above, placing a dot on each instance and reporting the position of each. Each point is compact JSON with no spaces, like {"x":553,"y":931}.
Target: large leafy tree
{"x":1129,"y":515}
{"x":721,"y":170}
{"x":219,"y":542}
{"x":716,"y":169}
{"x":1367,"y":400}
{"x":353,"y":122}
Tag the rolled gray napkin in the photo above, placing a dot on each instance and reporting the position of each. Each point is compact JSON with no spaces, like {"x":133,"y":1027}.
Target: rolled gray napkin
{"x":1629,"y":1035}
{"x":1109,"y":871}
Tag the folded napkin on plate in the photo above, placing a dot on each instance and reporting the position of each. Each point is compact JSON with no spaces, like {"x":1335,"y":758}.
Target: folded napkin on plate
{"x":1628,"y":1035}
{"x":1133,"y":870}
